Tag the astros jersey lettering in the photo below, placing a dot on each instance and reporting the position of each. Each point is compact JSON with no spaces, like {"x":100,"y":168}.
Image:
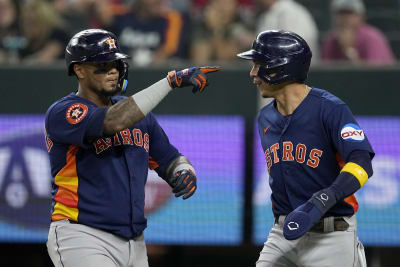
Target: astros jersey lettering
{"x":91,"y":184}
{"x":305,"y":151}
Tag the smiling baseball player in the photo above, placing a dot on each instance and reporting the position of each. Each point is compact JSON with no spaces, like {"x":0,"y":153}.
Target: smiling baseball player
{"x":317,"y":157}
{"x":101,"y":145}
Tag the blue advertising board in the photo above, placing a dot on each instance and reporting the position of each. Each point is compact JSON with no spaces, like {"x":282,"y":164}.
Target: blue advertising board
{"x":214,"y":144}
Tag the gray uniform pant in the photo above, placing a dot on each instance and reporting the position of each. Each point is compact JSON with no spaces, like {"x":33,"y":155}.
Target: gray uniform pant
{"x":332,"y":249}
{"x":74,"y":245}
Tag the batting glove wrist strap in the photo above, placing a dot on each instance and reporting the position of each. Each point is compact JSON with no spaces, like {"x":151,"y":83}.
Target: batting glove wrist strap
{"x":178,"y":164}
{"x":323,"y":200}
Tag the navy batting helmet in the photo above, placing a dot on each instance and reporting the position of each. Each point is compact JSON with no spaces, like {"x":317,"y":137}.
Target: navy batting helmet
{"x":283,"y":55}
{"x":96,"y":45}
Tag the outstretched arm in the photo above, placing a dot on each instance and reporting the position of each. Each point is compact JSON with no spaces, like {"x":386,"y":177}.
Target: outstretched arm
{"x":131,"y":110}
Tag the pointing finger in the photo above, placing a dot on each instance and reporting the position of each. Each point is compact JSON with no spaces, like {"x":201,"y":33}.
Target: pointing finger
{"x":209,"y":69}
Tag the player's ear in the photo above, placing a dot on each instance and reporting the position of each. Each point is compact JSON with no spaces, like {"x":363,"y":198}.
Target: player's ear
{"x":79,"y":71}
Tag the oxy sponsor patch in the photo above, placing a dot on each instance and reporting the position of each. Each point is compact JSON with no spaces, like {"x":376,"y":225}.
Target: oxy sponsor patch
{"x":76,"y":112}
{"x":352,"y":132}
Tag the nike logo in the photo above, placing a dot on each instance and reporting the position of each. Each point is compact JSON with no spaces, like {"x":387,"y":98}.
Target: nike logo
{"x":266,"y":129}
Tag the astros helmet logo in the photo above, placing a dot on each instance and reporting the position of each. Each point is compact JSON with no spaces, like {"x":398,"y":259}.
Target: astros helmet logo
{"x":111,"y":43}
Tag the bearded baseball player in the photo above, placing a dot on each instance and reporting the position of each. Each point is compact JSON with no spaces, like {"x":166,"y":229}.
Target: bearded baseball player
{"x":317,"y":157}
{"x":101,"y":146}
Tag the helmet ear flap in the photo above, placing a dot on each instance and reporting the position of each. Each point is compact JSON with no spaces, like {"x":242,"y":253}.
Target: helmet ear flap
{"x":123,"y":68}
{"x":272,"y":76}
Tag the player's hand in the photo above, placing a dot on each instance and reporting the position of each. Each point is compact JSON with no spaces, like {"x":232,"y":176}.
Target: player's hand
{"x":194,"y":76}
{"x":185,"y":183}
{"x":303,"y":218}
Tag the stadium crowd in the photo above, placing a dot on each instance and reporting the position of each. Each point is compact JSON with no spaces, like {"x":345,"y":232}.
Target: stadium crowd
{"x":34,"y":32}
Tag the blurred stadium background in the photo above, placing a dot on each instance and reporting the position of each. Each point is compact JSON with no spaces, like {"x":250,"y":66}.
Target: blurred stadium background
{"x":228,"y":219}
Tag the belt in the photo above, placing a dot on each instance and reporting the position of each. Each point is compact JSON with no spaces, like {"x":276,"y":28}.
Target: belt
{"x":322,"y":226}
{"x":325,"y":225}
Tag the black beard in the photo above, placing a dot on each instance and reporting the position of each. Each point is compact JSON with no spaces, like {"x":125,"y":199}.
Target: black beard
{"x":109,"y":93}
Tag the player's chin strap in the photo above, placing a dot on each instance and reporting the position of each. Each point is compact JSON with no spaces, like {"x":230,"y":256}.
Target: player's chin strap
{"x":123,"y":68}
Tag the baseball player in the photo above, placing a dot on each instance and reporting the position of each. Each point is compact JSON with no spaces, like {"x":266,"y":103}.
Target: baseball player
{"x":317,"y":157}
{"x":101,"y":145}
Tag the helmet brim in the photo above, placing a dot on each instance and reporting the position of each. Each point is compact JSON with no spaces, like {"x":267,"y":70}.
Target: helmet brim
{"x":252,"y":55}
{"x":99,"y":58}
{"x":246,"y":55}
{"x":106,"y":57}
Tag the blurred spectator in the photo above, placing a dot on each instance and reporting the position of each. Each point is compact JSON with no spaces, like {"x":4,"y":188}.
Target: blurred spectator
{"x":42,"y":28}
{"x":353,"y":40}
{"x":202,"y":3}
{"x":83,"y":14}
{"x":150,"y":32}
{"x":289,"y":15}
{"x":220,"y":34}
{"x":11,"y":40}
{"x":183,"y":6}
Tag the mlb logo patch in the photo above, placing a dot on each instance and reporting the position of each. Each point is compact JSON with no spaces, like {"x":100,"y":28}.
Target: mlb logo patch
{"x":352,"y":132}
